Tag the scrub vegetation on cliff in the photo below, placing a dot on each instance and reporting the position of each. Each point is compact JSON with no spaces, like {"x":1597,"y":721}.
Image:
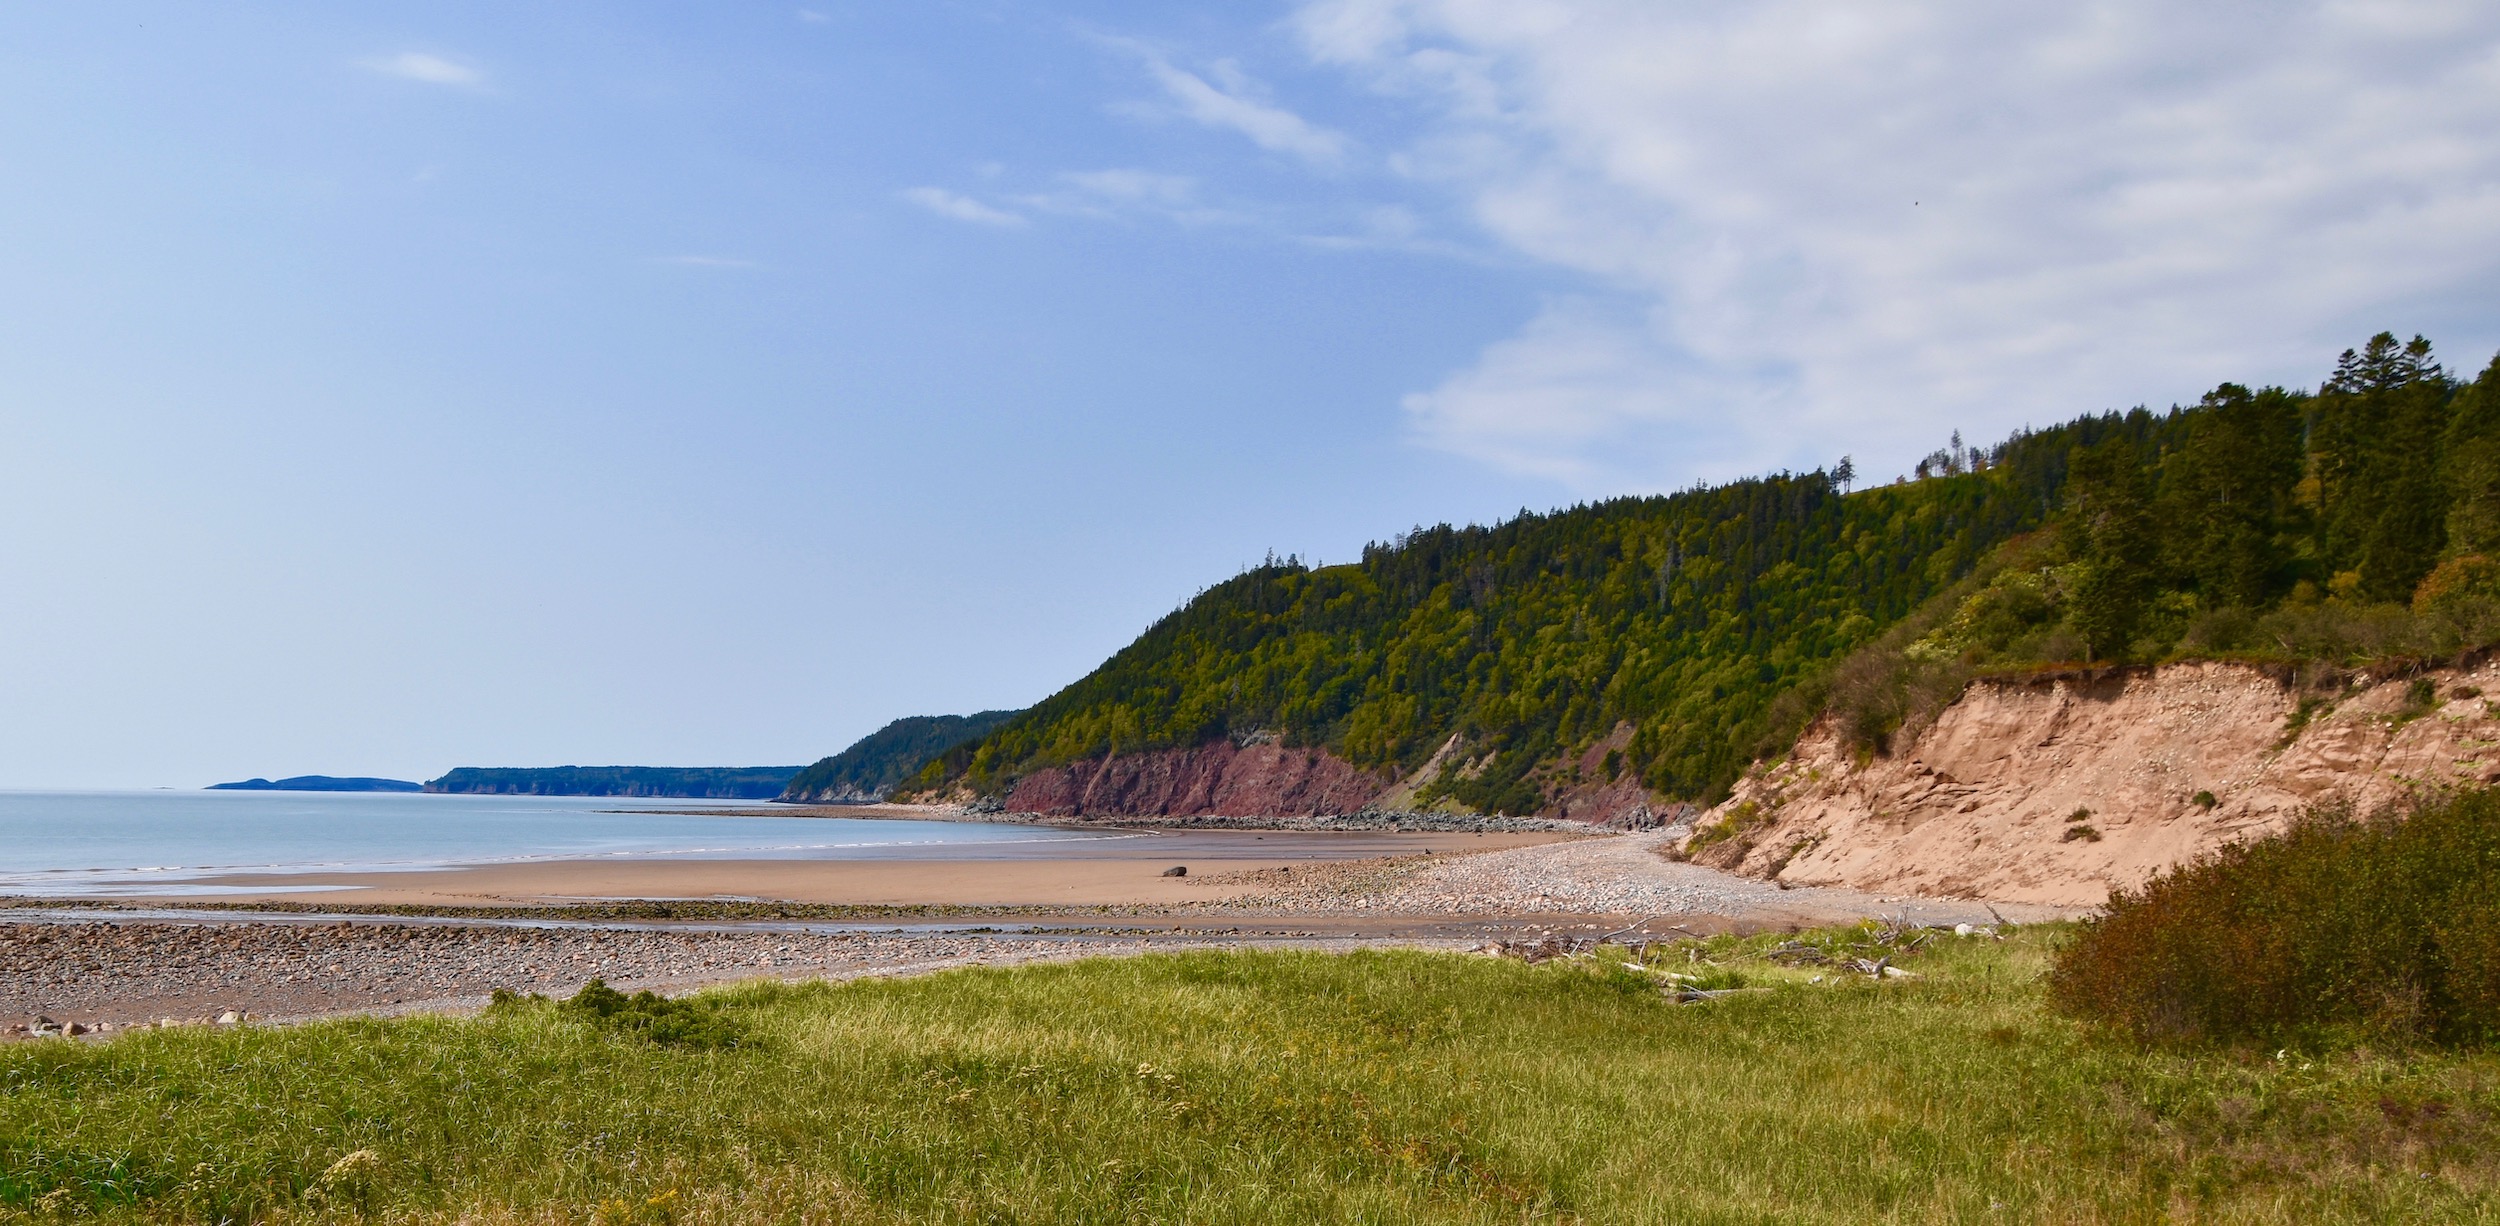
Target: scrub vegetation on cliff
{"x":2361,"y":521}
{"x":1257,"y":1087}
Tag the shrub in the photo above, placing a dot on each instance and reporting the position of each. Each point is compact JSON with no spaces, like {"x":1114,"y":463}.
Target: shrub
{"x":653,"y":1017}
{"x":2340,"y":929}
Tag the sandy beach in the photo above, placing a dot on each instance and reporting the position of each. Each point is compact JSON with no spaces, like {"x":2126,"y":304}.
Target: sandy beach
{"x":1129,"y":870}
{"x":549,"y":926}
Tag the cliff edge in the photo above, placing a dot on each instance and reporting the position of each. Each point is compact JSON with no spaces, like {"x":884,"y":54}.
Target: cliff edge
{"x":2058,"y":789}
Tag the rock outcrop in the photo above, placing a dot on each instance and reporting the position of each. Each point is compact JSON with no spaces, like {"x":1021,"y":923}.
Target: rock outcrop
{"x":1220,"y":779}
{"x":2057,"y":790}
{"x":1265,"y":779}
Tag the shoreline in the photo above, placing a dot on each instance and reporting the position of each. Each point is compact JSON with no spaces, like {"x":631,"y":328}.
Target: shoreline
{"x":441,"y":945}
{"x":1129,"y":871}
{"x":1390,"y":821}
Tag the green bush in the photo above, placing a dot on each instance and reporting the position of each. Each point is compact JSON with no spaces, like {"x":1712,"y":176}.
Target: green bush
{"x":2341,"y":929}
{"x":688,"y":1022}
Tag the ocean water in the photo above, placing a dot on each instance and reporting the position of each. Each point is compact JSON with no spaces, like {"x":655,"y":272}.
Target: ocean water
{"x":164,"y":843}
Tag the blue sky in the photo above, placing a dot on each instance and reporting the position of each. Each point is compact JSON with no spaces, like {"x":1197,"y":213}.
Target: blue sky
{"x":395,"y":388}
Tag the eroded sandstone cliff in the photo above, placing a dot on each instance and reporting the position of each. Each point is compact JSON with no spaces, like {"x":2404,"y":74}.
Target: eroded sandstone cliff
{"x":1271,"y":780}
{"x":1222,"y":779}
{"x":2058,"y":790}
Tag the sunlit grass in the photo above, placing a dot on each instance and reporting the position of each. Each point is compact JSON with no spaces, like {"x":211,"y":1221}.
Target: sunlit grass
{"x":1260,"y":1087}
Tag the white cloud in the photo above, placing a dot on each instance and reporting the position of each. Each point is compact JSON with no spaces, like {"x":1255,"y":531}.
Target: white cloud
{"x":813,"y":17}
{"x":430,"y":69}
{"x":1228,"y":102}
{"x":1818,"y":226}
{"x":944,"y":203}
{"x":1134,"y":186}
{"x":1129,"y":192}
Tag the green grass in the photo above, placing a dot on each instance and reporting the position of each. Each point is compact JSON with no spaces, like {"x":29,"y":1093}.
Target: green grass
{"x":1261,"y":1087}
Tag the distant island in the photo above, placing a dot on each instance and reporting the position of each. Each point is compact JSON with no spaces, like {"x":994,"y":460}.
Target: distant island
{"x":871,"y":768}
{"x":320,"y":783}
{"x":690,"y":782}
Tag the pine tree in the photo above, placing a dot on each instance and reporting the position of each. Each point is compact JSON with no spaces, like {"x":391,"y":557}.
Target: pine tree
{"x":2472,"y":444}
{"x":2374,"y":442}
{"x":2109,"y":532}
{"x":2225,"y":495}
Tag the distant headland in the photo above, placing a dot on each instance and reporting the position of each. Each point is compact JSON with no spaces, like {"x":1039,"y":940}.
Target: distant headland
{"x":320,"y":783}
{"x":690,"y":782}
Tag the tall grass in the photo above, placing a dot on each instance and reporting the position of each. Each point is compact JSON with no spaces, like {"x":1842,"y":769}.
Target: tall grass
{"x":1256,"y":1087}
{"x":2340,"y":929}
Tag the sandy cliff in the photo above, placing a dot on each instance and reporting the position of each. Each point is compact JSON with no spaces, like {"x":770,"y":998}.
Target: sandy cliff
{"x":1984,"y":803}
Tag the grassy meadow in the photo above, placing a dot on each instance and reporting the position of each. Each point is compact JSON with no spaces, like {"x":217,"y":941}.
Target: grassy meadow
{"x":1259,"y":1086}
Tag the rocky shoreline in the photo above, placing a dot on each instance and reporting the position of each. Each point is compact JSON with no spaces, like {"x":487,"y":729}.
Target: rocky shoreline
{"x":116,"y":974}
{"x":1395,"y":822}
{"x":64,"y":970}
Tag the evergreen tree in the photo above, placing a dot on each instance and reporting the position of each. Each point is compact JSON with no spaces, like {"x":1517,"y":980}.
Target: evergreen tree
{"x":2374,"y":441}
{"x":2472,"y":444}
{"x":2226,"y":494}
{"x":2108,"y":530}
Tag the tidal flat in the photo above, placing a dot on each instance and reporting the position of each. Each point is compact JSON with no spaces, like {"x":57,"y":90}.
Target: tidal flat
{"x":1263,"y":1086}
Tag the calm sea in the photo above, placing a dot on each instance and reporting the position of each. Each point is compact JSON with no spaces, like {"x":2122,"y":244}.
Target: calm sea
{"x":162,"y":843}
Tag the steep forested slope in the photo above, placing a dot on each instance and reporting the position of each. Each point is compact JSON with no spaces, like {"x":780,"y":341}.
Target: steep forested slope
{"x":869,"y":769}
{"x":1711,"y":621}
{"x":1684,"y":615}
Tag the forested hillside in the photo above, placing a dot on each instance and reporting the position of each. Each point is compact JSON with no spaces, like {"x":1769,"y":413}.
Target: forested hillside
{"x":2358,"y":524}
{"x":869,"y":769}
{"x":692,"y":782}
{"x":1713,"y":620}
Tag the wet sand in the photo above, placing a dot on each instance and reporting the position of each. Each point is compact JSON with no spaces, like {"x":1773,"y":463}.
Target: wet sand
{"x":1121,"y":871}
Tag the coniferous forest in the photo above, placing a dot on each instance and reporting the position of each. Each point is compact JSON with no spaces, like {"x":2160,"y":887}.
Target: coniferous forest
{"x":2356,"y":522}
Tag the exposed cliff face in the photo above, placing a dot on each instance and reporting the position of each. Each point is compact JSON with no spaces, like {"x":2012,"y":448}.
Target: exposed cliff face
{"x":1270,"y":780}
{"x":1221,"y":778}
{"x":1983,"y":803}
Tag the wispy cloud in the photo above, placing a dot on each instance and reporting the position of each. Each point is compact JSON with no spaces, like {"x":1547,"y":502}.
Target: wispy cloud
{"x":1134,"y":186}
{"x":960,"y":207}
{"x":1813,"y":226}
{"x":430,"y":69}
{"x":1229,"y":101}
{"x":812,"y":17}
{"x":1130,"y":192}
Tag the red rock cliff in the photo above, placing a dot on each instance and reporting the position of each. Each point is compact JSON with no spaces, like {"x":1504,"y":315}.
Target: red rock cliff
{"x":1218,"y":779}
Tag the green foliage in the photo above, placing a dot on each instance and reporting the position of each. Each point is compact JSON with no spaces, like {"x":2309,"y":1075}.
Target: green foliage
{"x":649,"y":1016}
{"x":2108,"y":531}
{"x":2341,"y":929}
{"x":1264,"y":1087}
{"x":876,"y":764}
{"x":2256,"y":525}
{"x":2375,"y":447}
